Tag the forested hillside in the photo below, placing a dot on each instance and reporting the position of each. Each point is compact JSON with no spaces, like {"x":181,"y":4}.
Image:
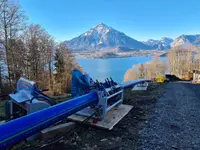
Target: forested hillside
{"x":28,"y":50}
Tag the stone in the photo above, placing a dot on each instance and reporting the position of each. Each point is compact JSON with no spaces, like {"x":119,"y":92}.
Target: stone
{"x":103,"y":140}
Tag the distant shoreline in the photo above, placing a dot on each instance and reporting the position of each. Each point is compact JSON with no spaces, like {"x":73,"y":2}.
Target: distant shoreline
{"x":108,"y":55}
{"x":111,"y":57}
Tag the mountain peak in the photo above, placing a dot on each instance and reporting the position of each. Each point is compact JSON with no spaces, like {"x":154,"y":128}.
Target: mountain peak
{"x":104,"y":37}
{"x":101,"y":25}
{"x":186,"y":39}
{"x":166,"y":38}
{"x":162,"y":44}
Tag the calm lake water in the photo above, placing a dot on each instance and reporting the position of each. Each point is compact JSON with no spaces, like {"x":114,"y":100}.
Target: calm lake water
{"x":112,"y":67}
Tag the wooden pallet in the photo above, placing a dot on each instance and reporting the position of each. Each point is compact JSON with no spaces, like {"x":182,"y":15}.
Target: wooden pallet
{"x":112,"y":118}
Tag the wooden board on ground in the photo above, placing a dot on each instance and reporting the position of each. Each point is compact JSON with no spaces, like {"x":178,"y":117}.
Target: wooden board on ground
{"x":55,"y":130}
{"x":140,"y":87}
{"x":112,"y":118}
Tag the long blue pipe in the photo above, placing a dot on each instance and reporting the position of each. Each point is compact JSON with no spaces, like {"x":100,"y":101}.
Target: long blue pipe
{"x":133,"y":82}
{"x":21,"y":128}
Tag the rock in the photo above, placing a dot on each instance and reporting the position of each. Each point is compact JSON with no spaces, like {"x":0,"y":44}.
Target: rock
{"x":110,"y":143}
{"x":174,"y":147}
{"x":66,"y":142}
{"x":118,"y":139}
{"x":88,"y":136}
{"x":62,"y":141}
{"x":103,"y":140}
{"x":193,"y":142}
{"x":78,"y":138}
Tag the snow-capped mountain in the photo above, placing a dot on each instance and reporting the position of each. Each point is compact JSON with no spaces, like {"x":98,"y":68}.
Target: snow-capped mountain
{"x":162,"y":44}
{"x":104,"y":37}
{"x":187,"y":39}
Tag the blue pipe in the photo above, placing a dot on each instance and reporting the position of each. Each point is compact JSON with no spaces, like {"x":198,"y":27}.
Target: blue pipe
{"x":134,"y":82}
{"x":19,"y":129}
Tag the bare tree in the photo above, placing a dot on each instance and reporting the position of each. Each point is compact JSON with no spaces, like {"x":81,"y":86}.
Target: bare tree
{"x":1,"y":61}
{"x":197,"y":59}
{"x":141,"y":71}
{"x":148,"y":70}
{"x":38,"y":56}
{"x":11,"y":23}
{"x":181,"y":60}
{"x":131,"y":74}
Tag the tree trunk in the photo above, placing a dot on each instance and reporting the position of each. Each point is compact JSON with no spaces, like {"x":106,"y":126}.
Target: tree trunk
{"x":0,"y":81}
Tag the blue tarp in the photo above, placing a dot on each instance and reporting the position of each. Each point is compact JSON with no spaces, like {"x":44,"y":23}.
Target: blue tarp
{"x":80,"y":83}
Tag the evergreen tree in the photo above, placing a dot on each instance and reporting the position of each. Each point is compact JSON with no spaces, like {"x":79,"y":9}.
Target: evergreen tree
{"x":59,"y":64}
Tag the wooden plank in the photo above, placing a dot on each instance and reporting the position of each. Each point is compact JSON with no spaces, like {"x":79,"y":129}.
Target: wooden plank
{"x":112,"y":118}
{"x":55,"y":130}
{"x":140,"y":87}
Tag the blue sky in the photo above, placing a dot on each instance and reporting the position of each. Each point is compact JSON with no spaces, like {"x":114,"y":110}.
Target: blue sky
{"x":140,"y":19}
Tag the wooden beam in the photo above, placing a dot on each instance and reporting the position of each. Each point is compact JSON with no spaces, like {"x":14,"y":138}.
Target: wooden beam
{"x":55,"y":130}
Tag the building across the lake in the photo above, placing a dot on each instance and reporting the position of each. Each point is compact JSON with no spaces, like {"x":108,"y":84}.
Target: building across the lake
{"x":196,"y":76}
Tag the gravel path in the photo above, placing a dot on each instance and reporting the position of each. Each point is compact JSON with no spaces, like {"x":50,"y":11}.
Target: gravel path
{"x":175,"y":121}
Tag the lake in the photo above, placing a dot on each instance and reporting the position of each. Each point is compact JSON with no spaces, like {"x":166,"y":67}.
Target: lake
{"x":111,"y":67}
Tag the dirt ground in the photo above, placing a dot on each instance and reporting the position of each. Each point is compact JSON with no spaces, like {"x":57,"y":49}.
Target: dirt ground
{"x":124,"y":135}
